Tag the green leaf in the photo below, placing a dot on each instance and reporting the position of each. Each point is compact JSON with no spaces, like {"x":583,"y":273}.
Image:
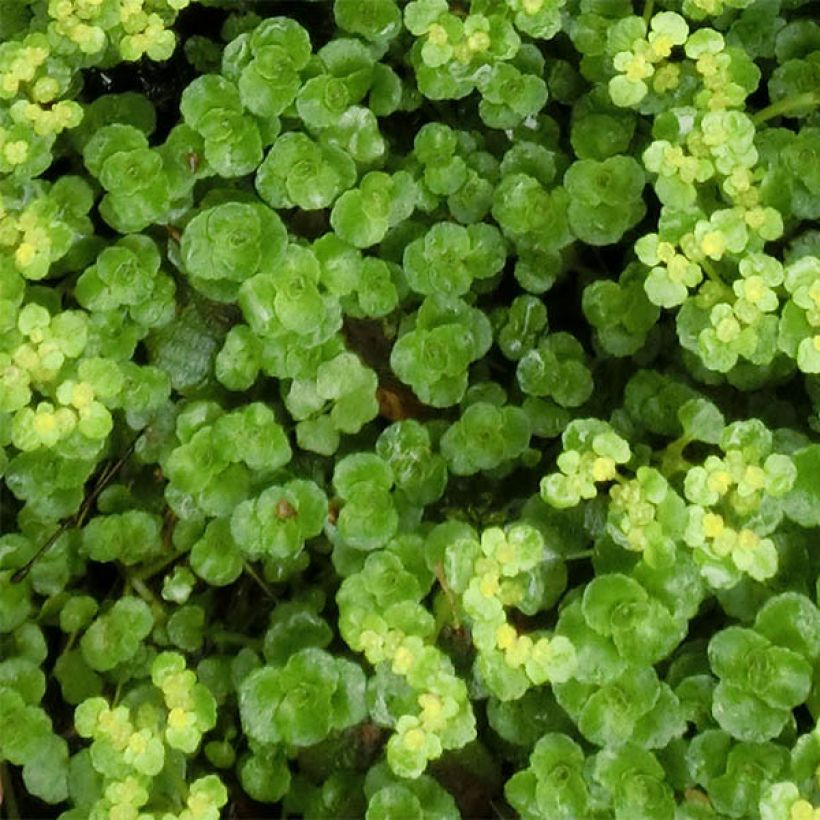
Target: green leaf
{"x":215,"y":557}
{"x":375,"y":20}
{"x":802,"y":504}
{"x":46,"y":773}
{"x":265,"y":776}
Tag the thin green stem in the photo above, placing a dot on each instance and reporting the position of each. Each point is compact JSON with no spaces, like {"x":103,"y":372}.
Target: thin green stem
{"x":236,"y":638}
{"x":145,"y":593}
{"x":671,"y":460}
{"x":786,"y":106}
{"x":448,"y":594}
{"x":70,"y":642}
{"x":7,"y":796}
{"x":579,"y":556}
{"x":149,"y":571}
{"x":256,"y":577}
{"x":647,"y":11}
{"x":712,"y":273}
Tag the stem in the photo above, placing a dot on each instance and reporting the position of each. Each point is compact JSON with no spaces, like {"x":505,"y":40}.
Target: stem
{"x":142,"y":590}
{"x":786,"y":106}
{"x":712,"y":273}
{"x":671,"y":457}
{"x":647,"y":11}
{"x":70,"y":642}
{"x":256,"y":577}
{"x":448,"y":593}
{"x":152,"y":569}
{"x":7,"y":795}
{"x":578,"y":556}
{"x":237,"y":638}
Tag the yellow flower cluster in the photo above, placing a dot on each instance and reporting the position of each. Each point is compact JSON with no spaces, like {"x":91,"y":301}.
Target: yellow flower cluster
{"x":803,"y":810}
{"x":44,"y":120}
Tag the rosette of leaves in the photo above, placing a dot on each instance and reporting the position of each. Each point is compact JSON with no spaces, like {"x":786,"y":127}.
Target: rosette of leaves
{"x":485,"y":437}
{"x":277,"y":523}
{"x":133,"y":176}
{"x":520,"y":326}
{"x":300,"y":172}
{"x":436,"y":348}
{"x":766,"y":671}
{"x":367,"y":285}
{"x":509,"y":95}
{"x":362,"y":216}
{"x":534,"y":218}
{"x":45,"y":228}
{"x":556,"y":368}
{"x":342,"y":382}
{"x":553,"y":785}
{"x":218,"y":455}
{"x":115,"y":635}
{"x":449,"y":257}
{"x":605,"y":198}
{"x":738,"y":776}
{"x":302,"y":702}
{"x":132,"y":536}
{"x":27,"y":153}
{"x":420,"y":472}
{"x":635,"y":782}
{"x":127,"y":276}
{"x":265,"y":64}
{"x":436,"y":148}
{"x":538,"y":18}
{"x":349,"y":72}
{"x":227,"y":244}
{"x":288,"y":302}
{"x":620,"y":312}
{"x":368,"y":518}
{"x":232,"y":142}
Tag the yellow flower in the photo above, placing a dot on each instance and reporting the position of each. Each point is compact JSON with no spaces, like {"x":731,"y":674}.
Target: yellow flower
{"x":803,"y":810}
{"x":519,"y":653}
{"x":747,"y":540}
{"x":719,"y":481}
{"x":666,"y":78}
{"x":402,"y":661}
{"x":25,"y":254}
{"x":660,"y":46}
{"x":478,"y":41}
{"x":432,"y":712}
{"x":179,"y":718}
{"x":713,"y":244}
{"x":505,"y":636}
{"x":437,"y":34}
{"x":488,"y":585}
{"x":666,"y":252}
{"x":16,"y":153}
{"x":712,"y":525}
{"x":638,"y":68}
{"x":603,"y":469}
{"x":414,"y":739}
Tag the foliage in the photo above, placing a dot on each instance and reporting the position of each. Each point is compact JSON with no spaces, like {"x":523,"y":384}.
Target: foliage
{"x":409,"y":408}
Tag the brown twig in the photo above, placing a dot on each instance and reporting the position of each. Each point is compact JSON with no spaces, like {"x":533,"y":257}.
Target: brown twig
{"x":103,"y":480}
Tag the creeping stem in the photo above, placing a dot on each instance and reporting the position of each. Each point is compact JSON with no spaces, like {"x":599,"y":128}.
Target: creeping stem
{"x":786,"y":106}
{"x":76,"y":520}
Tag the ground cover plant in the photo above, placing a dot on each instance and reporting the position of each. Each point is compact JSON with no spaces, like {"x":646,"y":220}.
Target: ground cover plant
{"x":409,"y":409}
